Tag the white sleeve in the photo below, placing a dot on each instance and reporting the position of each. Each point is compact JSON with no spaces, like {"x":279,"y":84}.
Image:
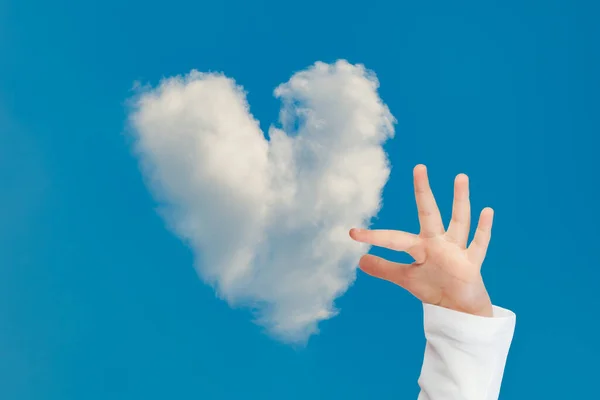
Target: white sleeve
{"x":465,"y":354}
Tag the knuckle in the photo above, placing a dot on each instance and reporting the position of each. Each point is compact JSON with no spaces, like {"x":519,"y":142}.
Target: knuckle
{"x":425,"y":213}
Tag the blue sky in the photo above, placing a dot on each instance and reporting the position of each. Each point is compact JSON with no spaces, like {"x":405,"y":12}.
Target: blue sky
{"x":98,"y":300}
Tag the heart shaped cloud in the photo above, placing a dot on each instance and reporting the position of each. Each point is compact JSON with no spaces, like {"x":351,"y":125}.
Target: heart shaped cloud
{"x":268,"y":220}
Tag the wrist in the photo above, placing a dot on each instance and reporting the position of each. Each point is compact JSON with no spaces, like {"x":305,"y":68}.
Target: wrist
{"x":480,"y":305}
{"x":486,"y":311}
{"x":481,"y":311}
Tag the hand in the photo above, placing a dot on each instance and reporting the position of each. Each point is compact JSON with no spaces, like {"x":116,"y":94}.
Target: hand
{"x":445,"y":272}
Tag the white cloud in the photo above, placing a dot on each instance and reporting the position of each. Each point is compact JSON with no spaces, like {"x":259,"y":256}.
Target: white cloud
{"x":268,"y":220}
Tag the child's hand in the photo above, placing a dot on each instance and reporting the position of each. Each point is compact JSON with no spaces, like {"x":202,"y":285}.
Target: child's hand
{"x":445,"y":272}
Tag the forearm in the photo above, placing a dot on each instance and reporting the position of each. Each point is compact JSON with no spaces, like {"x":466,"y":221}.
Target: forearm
{"x":465,"y":354}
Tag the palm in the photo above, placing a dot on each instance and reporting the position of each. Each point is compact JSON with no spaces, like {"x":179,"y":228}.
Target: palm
{"x":445,"y":272}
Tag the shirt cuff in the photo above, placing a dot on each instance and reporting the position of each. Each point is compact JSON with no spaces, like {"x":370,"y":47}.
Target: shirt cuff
{"x":463,"y":327}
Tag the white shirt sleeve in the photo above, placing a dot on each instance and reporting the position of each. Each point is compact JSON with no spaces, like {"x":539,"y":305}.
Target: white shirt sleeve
{"x":465,"y":354}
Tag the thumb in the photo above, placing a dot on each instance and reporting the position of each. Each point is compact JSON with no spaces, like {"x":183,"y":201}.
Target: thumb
{"x":384,"y":269}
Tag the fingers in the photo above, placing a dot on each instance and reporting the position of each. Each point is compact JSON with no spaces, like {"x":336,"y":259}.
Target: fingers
{"x":384,"y":269}
{"x":478,"y":247}
{"x":458,"y":230}
{"x":393,"y":240}
{"x":429,"y":214}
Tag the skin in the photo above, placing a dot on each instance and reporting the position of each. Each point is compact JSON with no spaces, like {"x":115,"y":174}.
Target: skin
{"x":446,"y":272}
